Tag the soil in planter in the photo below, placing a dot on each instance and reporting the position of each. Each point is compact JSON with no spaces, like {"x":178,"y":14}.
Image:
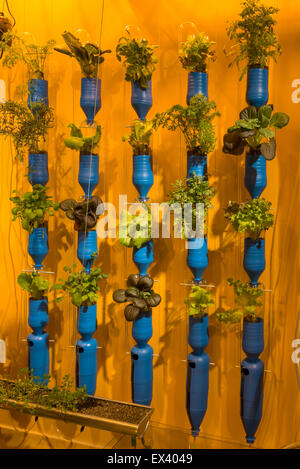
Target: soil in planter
{"x":112,"y":411}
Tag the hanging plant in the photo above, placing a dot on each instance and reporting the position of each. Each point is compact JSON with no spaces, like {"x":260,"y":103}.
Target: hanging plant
{"x":253,"y":34}
{"x":135,"y":230}
{"x":248,"y":299}
{"x":195,"y":53}
{"x":139,"y":138}
{"x":77,"y":141}
{"x":89,"y":56}
{"x":139,"y":295}
{"x":198,"y":301}
{"x":34,"y":284}
{"x":255,"y":129}
{"x":85,"y":213}
{"x":138,"y":59}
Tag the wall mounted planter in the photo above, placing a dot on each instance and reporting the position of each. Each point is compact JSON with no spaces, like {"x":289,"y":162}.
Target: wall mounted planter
{"x":142,"y":177}
{"x":196,"y":164}
{"x":38,"y":168}
{"x":254,"y":259}
{"x":197,"y":259}
{"x":255,"y":174}
{"x":38,"y":346}
{"x":87,"y":248}
{"x":88,"y":176}
{"x":143,"y":257}
{"x":252,"y":369}
{"x":141,"y":360}
{"x":197,"y":372}
{"x":257,"y":93}
{"x":86,"y":348}
{"x":37,"y":92}
{"x":90,"y":98}
{"x":141,"y":100}
{"x":38,"y":245}
{"x":197,"y":84}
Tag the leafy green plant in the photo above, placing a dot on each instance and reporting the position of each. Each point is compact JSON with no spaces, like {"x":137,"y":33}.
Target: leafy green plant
{"x":253,"y":35}
{"x":36,"y":285}
{"x":248,"y":300}
{"x":135,"y":229}
{"x":138,"y":59}
{"x":255,"y":129}
{"x":15,"y":49}
{"x":82,"y":288}
{"x":89,"y":56}
{"x":85,"y":145}
{"x":27,"y":128}
{"x":33,"y":207}
{"x":85,"y":213}
{"x":139,"y":138}
{"x":251,"y":217}
{"x":194,"y":121}
{"x":198,"y":301}
{"x":139,"y":294}
{"x":195,"y":53}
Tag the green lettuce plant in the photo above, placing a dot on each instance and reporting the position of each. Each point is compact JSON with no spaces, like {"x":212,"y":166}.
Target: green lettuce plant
{"x":195,"y":53}
{"x":84,"y":213}
{"x":34,"y":284}
{"x":140,"y":135}
{"x":86,"y":145}
{"x":135,"y":229}
{"x":198,"y":301}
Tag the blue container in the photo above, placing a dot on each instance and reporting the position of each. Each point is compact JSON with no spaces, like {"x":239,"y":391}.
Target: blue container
{"x":86,"y":247}
{"x":88,"y":176}
{"x":253,"y":338}
{"x":254,"y":259}
{"x":37,"y":92}
{"x":255,"y":174}
{"x":257,"y":93}
{"x":90,"y":98}
{"x":86,"y":365}
{"x":197,"y":84}
{"x":198,"y":334}
{"x":142,"y":176}
{"x":38,"y":245}
{"x":143,"y":257}
{"x":197,"y":259}
{"x":141,"y":100}
{"x":142,"y":360}
{"x":38,"y":315}
{"x":38,"y":356}
{"x":38,"y":168}
{"x":87,"y":321}
{"x":196,"y":164}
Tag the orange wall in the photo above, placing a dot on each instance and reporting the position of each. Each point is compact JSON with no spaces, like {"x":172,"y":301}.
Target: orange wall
{"x":159,"y":22}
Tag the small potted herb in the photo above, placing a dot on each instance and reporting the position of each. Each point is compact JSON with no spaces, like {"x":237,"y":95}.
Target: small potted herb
{"x":256,"y":43}
{"x":32,"y":208}
{"x":255,"y":131}
{"x":89,"y":56}
{"x":194,"y":55}
{"x":140,"y":63}
{"x":88,"y":176}
{"x":252,"y":218}
{"x":85,"y":215}
{"x":139,"y":139}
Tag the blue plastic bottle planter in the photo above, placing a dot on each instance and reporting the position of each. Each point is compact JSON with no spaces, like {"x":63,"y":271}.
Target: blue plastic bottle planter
{"x":88,"y":176}
{"x":87,"y":321}
{"x":86,"y":248}
{"x":197,"y":372}
{"x":86,"y":349}
{"x":255,"y":174}
{"x":197,"y":84}
{"x":38,"y":168}
{"x":143,"y":257}
{"x":257,"y":93}
{"x":141,"y":360}
{"x":142,"y":176}
{"x":252,"y":378}
{"x":38,"y":349}
{"x":37,"y":92}
{"x":90,"y":98}
{"x":197,"y":259}
{"x":254,"y":259}
{"x":196,"y":164}
{"x":141,"y":100}
{"x":38,"y":245}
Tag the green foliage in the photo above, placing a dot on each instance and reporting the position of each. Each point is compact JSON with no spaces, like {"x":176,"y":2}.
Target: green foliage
{"x":139,"y":138}
{"x":135,"y":230}
{"x":138,"y":59}
{"x":24,"y":389}
{"x":36,"y":285}
{"x":85,"y":145}
{"x":15,"y":50}
{"x":82,"y":288}
{"x":32,"y":207}
{"x":251,"y":217}
{"x":248,"y":300}
{"x":139,"y":295}
{"x":198,"y":301}
{"x":255,"y":128}
{"x":253,"y":36}
{"x":194,"y":121}
{"x":85,"y":213}
{"x":89,"y":56}
{"x":195,"y":53}
{"x":27,"y":128}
